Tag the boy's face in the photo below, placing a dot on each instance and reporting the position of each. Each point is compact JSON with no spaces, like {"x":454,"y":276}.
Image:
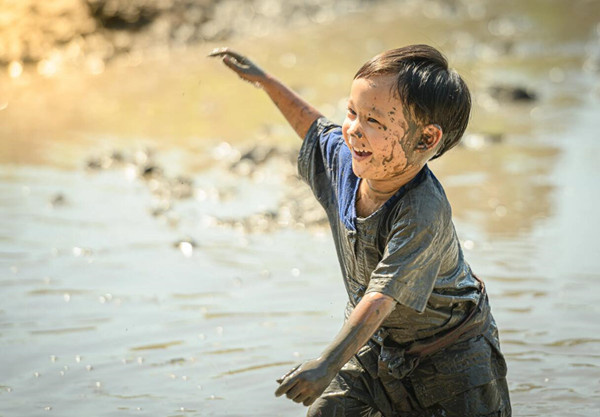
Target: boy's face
{"x":379,"y":131}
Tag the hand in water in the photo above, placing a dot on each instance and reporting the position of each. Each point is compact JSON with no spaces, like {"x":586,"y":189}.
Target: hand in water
{"x":305,"y":383}
{"x":242,"y":66}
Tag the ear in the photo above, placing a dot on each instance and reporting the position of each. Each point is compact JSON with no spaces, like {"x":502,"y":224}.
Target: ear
{"x":430,"y":137}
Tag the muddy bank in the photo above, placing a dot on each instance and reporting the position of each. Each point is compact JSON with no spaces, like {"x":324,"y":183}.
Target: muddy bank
{"x":91,"y":32}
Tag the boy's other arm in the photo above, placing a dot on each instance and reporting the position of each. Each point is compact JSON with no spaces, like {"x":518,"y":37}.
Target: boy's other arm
{"x":307,"y":382}
{"x":299,"y":113}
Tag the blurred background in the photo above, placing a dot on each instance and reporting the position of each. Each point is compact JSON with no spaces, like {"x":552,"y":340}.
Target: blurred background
{"x":159,"y":256}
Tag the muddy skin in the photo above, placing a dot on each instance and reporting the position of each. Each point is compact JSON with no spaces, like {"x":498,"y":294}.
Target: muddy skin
{"x":391,"y":114}
{"x":305,"y":383}
{"x":407,"y":142}
{"x":392,"y":154}
{"x":411,"y":138}
{"x":242,"y":66}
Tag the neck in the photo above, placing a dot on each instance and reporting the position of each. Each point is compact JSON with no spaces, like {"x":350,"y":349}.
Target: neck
{"x":383,"y":189}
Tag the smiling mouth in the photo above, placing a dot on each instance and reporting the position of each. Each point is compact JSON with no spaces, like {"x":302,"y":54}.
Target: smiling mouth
{"x":359,"y":153}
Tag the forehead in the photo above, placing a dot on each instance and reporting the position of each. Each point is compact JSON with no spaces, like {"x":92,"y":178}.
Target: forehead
{"x":378,"y":92}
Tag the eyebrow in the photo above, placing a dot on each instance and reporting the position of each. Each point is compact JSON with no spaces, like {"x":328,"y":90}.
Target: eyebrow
{"x":372,"y":110}
{"x":376,"y":112}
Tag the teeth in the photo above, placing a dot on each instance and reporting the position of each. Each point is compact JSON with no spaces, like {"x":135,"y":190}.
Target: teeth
{"x":359,"y":152}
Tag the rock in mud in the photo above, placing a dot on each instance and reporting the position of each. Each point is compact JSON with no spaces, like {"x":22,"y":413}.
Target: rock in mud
{"x":518,"y":94}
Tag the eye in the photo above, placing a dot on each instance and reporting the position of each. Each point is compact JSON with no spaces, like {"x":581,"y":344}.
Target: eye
{"x":351,"y":112}
{"x":371,"y":120}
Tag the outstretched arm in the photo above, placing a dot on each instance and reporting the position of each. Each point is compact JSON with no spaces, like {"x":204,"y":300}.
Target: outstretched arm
{"x":307,"y":382}
{"x":299,"y":114}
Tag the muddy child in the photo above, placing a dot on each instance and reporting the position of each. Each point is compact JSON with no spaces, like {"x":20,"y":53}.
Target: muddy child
{"x":419,"y":338}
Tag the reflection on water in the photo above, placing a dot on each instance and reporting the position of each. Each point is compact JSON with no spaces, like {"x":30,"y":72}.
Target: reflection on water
{"x":184,"y":281}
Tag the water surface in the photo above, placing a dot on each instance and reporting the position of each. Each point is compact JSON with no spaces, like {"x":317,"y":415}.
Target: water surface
{"x":131,"y":295}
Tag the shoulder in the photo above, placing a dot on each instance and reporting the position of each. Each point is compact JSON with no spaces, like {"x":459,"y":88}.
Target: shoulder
{"x":323,"y":127}
{"x":423,"y":206}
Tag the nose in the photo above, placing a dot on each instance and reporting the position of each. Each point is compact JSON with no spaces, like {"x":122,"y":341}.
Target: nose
{"x":354,"y":129}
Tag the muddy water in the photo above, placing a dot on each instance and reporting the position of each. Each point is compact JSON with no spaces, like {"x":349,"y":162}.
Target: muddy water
{"x":190,"y":289}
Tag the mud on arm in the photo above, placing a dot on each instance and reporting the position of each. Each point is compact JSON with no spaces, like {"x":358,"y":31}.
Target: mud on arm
{"x":305,"y":383}
{"x":299,"y":113}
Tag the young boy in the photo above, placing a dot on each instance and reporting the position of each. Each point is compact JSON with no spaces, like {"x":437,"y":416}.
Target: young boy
{"x":419,"y":338}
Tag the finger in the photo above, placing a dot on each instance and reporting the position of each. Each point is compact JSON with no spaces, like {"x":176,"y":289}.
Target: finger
{"x":231,"y":63}
{"x":308,"y":401}
{"x":288,"y":373}
{"x":287,"y":384}
{"x":218,"y":52}
{"x":293,"y":392}
{"x":300,"y":398}
{"x":227,"y":52}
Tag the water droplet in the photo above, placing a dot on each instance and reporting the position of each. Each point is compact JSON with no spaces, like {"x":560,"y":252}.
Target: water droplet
{"x":201,"y":336}
{"x":219,"y":330}
{"x":15,"y":69}
{"x":62,"y":373}
{"x":186,"y":248}
{"x":47,"y":67}
{"x":53,"y":358}
{"x":185,"y":378}
{"x":89,"y":368}
{"x":98,"y":384}
{"x":140,"y":360}
{"x":130,"y":172}
{"x":468,"y":244}
{"x":36,"y":374}
{"x":296,"y":354}
{"x":67,"y":297}
{"x":48,"y":408}
{"x":295,"y":272}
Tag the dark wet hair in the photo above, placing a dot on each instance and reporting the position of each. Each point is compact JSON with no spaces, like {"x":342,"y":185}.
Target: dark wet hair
{"x":426,"y":86}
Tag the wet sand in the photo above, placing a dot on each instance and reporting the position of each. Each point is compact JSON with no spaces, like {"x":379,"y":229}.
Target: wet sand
{"x":185,"y":281}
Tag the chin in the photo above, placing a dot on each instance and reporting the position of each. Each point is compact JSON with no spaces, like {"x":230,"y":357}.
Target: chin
{"x":361,"y":172}
{"x":357,"y":171}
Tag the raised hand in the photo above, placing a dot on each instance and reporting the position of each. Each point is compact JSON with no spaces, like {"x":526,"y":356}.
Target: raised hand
{"x":242,"y":66}
{"x":299,"y":114}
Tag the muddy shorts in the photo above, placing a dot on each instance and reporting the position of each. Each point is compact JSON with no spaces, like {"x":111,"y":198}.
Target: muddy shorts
{"x":466,"y":379}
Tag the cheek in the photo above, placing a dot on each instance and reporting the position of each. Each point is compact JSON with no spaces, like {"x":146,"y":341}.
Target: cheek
{"x":395,"y":149}
{"x":345,"y":132}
